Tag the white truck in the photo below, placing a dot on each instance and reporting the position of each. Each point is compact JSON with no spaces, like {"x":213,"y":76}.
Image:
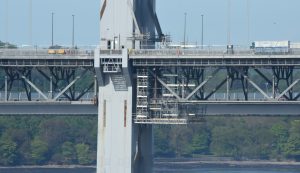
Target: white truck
{"x":271,"y":47}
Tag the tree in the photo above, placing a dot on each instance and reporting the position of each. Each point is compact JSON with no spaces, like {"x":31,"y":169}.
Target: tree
{"x":39,"y":151}
{"x":8,"y":152}
{"x":292,"y":147}
{"x":68,"y":152}
{"x":280,"y":135}
{"x":200,"y":143}
{"x":162,"y":147}
{"x":83,"y":155}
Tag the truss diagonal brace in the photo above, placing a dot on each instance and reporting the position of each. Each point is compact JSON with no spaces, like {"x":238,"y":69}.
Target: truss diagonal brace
{"x":202,"y":84}
{"x":64,"y":90}
{"x":166,"y":86}
{"x":254,"y":84}
{"x":289,"y":88}
{"x":35,"y":87}
{"x":67,"y":87}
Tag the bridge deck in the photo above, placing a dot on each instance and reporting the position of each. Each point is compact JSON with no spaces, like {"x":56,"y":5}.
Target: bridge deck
{"x":38,"y":58}
{"x":44,"y":108}
{"x":211,"y":109}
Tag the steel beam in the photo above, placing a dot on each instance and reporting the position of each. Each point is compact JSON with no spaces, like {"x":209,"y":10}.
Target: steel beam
{"x":203,"y":83}
{"x":47,"y":108}
{"x":5,"y":89}
{"x":35,"y":88}
{"x":289,"y":88}
{"x":166,"y":86}
{"x":66,"y":88}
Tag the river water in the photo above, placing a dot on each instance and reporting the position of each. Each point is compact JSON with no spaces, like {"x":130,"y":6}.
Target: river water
{"x":204,"y":170}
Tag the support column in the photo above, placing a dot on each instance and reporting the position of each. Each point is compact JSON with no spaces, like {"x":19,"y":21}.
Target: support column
{"x":122,"y":146}
{"x":51,"y":88}
{"x":114,"y":129}
{"x":5,"y":92}
{"x":227,"y":88}
{"x":143,"y":139}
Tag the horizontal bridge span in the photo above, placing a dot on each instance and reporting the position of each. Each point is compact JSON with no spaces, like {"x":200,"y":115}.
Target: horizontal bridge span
{"x":249,"y":109}
{"x":55,"y":109}
{"x":210,"y":62}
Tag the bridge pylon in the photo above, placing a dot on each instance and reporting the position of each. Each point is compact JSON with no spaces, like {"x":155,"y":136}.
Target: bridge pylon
{"x":122,"y":145}
{"x":125,"y":25}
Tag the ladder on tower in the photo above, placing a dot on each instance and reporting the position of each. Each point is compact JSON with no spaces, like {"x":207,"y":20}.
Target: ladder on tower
{"x":142,"y":94}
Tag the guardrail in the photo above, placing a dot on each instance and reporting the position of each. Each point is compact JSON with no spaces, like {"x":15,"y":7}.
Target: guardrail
{"x":44,"y":52}
{"x":205,"y":52}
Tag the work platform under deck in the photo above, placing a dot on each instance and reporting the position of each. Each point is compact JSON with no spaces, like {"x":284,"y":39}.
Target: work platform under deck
{"x":180,"y":86}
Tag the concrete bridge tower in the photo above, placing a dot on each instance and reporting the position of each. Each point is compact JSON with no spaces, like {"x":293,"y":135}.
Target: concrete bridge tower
{"x":123,"y":147}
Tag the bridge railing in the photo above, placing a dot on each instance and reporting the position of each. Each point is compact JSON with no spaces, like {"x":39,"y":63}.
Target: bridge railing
{"x":188,"y":52}
{"x":44,"y":52}
{"x":206,"y":52}
{"x":21,"y":96}
{"x":111,"y":52}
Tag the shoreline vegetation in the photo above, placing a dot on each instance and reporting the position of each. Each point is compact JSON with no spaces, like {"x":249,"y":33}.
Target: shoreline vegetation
{"x":199,"y":163}
{"x":185,"y":163}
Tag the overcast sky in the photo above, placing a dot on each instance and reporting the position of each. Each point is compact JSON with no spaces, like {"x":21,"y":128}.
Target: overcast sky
{"x":269,"y":20}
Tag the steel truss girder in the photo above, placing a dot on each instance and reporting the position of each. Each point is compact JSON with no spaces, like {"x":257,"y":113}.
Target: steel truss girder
{"x":38,"y":80}
{"x":180,"y":82}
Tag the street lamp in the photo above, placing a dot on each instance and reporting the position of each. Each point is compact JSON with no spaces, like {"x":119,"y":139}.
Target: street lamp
{"x":73,"y":31}
{"x":229,"y":23}
{"x":30,"y":22}
{"x":52,"y":14}
{"x":202,"y":32}
{"x":184,"y":34}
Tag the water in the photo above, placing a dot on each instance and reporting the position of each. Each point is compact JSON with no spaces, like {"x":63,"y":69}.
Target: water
{"x":48,"y":170}
{"x":233,"y":170}
{"x":202,"y":170}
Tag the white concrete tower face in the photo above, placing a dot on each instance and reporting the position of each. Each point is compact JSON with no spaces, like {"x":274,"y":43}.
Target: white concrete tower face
{"x":123,"y":147}
{"x":123,"y":19}
{"x":116,"y":23}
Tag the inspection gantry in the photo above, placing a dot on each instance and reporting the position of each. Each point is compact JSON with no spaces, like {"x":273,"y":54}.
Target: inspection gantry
{"x":179,"y":86}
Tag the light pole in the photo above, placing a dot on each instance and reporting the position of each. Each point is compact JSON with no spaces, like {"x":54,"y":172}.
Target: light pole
{"x":248,"y":21}
{"x":52,"y":27}
{"x":73,"y":31}
{"x":6,"y":25}
{"x":202,"y":35}
{"x":30,"y":22}
{"x":229,"y":23}
{"x":184,"y":32}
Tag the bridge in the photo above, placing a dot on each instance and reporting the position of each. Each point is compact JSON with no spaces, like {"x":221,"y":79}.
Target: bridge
{"x":131,"y":86}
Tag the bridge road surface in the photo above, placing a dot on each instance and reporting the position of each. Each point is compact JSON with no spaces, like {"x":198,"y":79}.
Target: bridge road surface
{"x":40,"y":108}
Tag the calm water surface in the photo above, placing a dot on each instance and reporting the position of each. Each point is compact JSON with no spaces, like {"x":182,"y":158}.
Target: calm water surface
{"x":204,"y":170}
{"x":233,"y":170}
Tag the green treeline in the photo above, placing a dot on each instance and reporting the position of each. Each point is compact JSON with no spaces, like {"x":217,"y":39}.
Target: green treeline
{"x":73,"y":140}
{"x":39,"y":141}
{"x":239,"y":138}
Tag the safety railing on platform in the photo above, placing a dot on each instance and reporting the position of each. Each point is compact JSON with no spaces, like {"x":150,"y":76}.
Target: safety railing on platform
{"x":187,"y":52}
{"x":45,"y":52}
{"x":205,"y":52}
{"x":21,"y":97}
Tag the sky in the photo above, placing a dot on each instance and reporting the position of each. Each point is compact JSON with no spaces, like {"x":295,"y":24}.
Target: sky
{"x":259,"y":20}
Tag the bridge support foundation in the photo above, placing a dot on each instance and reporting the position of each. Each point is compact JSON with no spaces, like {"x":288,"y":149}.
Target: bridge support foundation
{"x":122,"y":145}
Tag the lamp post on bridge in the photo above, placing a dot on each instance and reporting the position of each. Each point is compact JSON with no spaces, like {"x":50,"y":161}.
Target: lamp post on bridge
{"x":73,"y":32}
{"x":202,"y":32}
{"x":184,"y":32}
{"x":52,"y":14}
